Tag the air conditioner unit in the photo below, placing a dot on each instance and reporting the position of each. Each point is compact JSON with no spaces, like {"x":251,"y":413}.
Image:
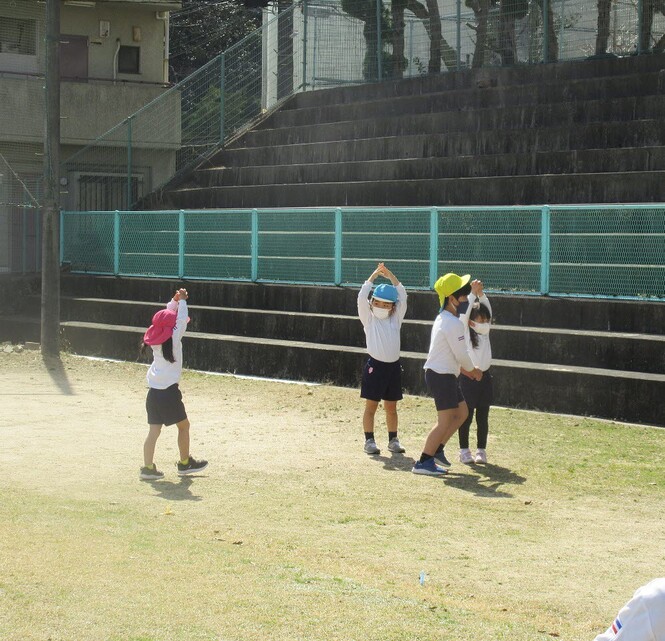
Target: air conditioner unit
{"x":161,"y":15}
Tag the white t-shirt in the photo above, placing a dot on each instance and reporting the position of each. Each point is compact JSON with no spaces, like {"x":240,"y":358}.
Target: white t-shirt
{"x":481,"y":355}
{"x":382,"y":335}
{"x":161,"y":373}
{"x":642,"y":618}
{"x":447,"y":348}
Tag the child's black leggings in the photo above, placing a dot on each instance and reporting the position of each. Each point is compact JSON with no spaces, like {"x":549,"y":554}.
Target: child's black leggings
{"x":482,"y":422}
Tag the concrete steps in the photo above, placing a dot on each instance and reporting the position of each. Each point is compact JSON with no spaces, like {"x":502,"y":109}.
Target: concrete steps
{"x":358,"y":124}
{"x":601,"y":358}
{"x":539,"y":162}
{"x":644,"y":186}
{"x":584,"y":132}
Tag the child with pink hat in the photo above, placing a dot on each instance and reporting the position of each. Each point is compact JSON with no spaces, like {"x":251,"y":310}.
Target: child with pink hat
{"x":164,"y":402}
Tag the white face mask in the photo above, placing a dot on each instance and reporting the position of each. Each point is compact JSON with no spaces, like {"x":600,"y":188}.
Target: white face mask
{"x":380,"y":312}
{"x":481,"y":328}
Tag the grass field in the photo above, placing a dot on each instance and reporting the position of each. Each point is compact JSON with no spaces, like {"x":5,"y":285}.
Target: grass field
{"x":293,"y":533}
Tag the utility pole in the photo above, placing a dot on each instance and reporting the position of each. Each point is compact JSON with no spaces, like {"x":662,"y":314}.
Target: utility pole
{"x":50,"y":318}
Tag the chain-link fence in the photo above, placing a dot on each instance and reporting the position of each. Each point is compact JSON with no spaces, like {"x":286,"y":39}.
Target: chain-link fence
{"x":20,"y":220}
{"x":322,"y":43}
{"x":581,"y":251}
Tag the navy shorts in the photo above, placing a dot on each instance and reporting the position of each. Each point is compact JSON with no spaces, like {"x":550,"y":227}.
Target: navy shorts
{"x":381,"y":381}
{"x":165,"y":406}
{"x":477,"y":393}
{"x":445,"y":390}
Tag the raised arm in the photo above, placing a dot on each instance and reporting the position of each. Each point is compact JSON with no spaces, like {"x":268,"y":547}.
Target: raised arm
{"x":180,"y":299}
{"x":364,"y":311}
{"x":400,"y":308}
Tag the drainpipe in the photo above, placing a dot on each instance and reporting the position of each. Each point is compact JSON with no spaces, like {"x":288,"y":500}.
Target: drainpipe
{"x":115,"y":59}
{"x":164,"y":16}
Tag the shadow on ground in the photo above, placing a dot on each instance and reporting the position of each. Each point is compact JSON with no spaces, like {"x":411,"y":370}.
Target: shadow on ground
{"x":486,"y":480}
{"x":57,"y":372}
{"x":175,"y":490}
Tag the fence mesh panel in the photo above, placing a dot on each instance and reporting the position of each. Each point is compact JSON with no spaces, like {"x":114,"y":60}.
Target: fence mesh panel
{"x":608,"y":252}
{"x":20,"y":220}
{"x":397,"y":237}
{"x":503,"y":248}
{"x":579,"y":251}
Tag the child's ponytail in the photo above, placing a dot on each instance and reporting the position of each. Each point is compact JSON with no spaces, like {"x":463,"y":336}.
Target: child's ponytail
{"x":167,"y":349}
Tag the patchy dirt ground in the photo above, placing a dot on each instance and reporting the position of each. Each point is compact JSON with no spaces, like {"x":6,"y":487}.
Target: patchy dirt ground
{"x":548,"y":540}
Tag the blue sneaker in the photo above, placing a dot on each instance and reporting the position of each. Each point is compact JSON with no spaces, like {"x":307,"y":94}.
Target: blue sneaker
{"x":428,"y":468}
{"x":441,"y":459}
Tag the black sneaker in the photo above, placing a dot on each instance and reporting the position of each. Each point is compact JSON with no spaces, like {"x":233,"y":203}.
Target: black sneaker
{"x":441,"y":459}
{"x":150,"y":474}
{"x":193,"y":467}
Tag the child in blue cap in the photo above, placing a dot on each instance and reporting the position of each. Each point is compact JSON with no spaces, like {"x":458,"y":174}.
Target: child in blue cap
{"x":382,"y":318}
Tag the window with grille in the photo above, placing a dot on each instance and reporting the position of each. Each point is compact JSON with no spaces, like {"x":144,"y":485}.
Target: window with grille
{"x":104,"y":192}
{"x":129,"y":59}
{"x":18,"y":36}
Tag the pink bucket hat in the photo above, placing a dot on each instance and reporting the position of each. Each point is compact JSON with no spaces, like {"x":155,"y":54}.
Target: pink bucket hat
{"x":163,"y":324}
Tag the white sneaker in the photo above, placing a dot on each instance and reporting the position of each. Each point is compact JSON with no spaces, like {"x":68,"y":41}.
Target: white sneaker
{"x":371,"y":447}
{"x":465,"y":456}
{"x":481,"y":456}
{"x":395,"y":446}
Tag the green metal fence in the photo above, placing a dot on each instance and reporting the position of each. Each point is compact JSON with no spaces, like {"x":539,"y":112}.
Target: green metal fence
{"x":557,"y":250}
{"x":323,"y":43}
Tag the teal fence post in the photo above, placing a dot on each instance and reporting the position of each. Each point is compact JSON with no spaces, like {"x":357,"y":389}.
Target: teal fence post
{"x":62,"y":237}
{"x":433,"y":246}
{"x":181,"y":244}
{"x":38,"y":238}
{"x":222,"y":105}
{"x":546,"y":30}
{"x":338,"y":246}
{"x":116,"y":242}
{"x":304,"y":45}
{"x":545,"y":250}
{"x":379,"y":44}
{"x":24,"y":241}
{"x":129,"y":162}
{"x":459,"y":34}
{"x":255,"y":246}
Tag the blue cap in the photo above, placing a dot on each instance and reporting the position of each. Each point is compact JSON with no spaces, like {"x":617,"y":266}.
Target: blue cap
{"x":386,"y":293}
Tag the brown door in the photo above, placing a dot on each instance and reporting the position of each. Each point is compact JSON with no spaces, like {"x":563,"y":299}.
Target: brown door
{"x":74,"y":57}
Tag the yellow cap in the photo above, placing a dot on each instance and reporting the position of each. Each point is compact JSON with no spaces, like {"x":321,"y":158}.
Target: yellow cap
{"x":450,"y":283}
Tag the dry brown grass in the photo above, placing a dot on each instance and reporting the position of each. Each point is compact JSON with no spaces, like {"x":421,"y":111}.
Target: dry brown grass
{"x":294,"y":533}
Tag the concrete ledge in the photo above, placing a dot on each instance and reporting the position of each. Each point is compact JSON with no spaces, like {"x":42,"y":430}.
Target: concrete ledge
{"x":489,"y":191}
{"x":583,"y":391}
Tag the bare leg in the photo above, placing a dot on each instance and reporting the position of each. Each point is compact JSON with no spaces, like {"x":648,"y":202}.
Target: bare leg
{"x":149,"y":445}
{"x":368,"y":415}
{"x":183,"y":439}
{"x":390,"y":408}
{"x":447,"y":424}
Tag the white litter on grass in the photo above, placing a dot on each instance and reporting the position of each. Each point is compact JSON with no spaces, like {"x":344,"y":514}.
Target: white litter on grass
{"x":199,"y":371}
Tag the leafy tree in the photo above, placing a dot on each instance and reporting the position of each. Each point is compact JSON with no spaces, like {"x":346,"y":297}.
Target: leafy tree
{"x":202,"y":29}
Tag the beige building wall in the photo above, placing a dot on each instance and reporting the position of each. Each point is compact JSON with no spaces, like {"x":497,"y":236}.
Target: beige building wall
{"x":109,"y":25}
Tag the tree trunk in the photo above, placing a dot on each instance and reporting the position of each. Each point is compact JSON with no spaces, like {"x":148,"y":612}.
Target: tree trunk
{"x":648,"y":10}
{"x":435,"y":37}
{"x":481,"y":12}
{"x":397,"y":11}
{"x":552,"y":39}
{"x":603,"y":34}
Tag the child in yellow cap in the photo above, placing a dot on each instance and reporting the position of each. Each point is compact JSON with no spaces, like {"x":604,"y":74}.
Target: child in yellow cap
{"x":448,"y":355}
